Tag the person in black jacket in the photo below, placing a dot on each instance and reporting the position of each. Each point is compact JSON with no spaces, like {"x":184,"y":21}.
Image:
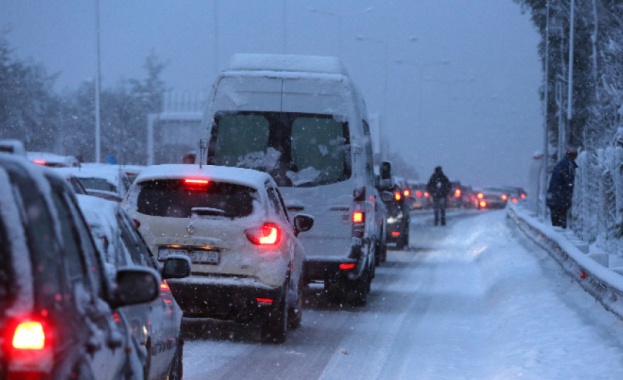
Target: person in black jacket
{"x":560,"y":190}
{"x":438,"y":187}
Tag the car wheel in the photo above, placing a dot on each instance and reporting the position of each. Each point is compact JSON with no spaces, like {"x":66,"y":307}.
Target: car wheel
{"x":176,"y":371}
{"x":295,"y":313}
{"x":274,"y":327}
{"x":360,"y":289}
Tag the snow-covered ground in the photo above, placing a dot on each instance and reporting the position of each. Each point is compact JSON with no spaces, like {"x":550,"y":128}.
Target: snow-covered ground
{"x":473,"y":300}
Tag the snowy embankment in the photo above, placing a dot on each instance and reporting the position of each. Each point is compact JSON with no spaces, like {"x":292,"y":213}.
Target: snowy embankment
{"x":605,"y":284}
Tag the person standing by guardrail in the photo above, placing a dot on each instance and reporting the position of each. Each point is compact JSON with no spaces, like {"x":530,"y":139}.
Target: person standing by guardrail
{"x":560,"y":190}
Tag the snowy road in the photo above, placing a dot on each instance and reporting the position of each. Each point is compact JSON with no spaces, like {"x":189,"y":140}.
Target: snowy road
{"x":473,"y":300}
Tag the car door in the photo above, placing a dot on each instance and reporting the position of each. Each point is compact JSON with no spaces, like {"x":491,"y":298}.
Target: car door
{"x":106,"y":341}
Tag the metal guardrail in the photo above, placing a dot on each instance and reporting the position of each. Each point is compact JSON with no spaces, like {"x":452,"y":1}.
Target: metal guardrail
{"x":604,"y":284}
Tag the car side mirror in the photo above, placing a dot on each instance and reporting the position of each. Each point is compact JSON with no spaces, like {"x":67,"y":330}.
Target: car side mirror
{"x":387,"y":196}
{"x":386,"y":170}
{"x":302,"y":223}
{"x":134,"y":286}
{"x":176,"y":266}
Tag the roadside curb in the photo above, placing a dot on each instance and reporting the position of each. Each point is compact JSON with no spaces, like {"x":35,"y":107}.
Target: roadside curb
{"x":602,"y":283}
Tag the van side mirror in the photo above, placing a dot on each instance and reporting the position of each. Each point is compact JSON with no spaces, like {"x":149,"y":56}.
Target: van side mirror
{"x":176,"y":266}
{"x":302,"y":223}
{"x":386,"y":170}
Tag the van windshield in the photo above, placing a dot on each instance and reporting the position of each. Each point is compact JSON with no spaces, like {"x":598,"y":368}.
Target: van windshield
{"x":298,"y":150}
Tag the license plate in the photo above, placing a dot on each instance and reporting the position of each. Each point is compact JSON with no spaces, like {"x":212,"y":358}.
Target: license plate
{"x":196,"y":256}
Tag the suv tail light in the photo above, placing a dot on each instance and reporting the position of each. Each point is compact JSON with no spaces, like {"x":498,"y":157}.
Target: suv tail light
{"x":359,"y":223}
{"x":30,"y":354}
{"x":267,"y":234}
{"x":397,"y":195}
{"x":457,"y":193}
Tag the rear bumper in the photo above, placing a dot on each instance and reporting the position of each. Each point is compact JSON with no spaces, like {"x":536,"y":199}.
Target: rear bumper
{"x":336,"y":268}
{"x":226,"y":298}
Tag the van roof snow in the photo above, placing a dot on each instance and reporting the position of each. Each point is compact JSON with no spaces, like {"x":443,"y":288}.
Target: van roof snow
{"x":285,"y":62}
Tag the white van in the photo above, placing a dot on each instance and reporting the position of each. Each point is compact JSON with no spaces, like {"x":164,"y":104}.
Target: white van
{"x":301,"y":119}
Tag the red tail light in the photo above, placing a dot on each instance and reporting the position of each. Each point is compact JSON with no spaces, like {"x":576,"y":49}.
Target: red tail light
{"x":29,"y":354}
{"x":479,"y":196}
{"x":406,"y":193}
{"x":522,"y":196}
{"x":457,"y":193}
{"x":267,"y":234}
{"x":347,"y":266}
{"x":39,"y":162}
{"x":483,"y":204}
{"x":395,"y":233}
{"x":504,"y":197}
{"x":29,"y":335}
{"x":136,"y":223}
{"x":418,"y":194}
{"x":264,"y":301}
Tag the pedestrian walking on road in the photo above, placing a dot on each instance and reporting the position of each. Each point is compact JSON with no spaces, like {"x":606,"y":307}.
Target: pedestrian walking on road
{"x":560,"y":190}
{"x":439,"y":187}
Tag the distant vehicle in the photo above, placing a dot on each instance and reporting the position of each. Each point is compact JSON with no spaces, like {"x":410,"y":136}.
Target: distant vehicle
{"x":102,"y":180}
{"x":491,"y":198}
{"x":57,"y":310}
{"x":303,"y":120}
{"x":13,"y":147}
{"x":398,"y":222}
{"x":455,"y":197}
{"x":515,"y":194}
{"x":233,"y":224}
{"x":420,"y":199}
{"x":156,"y":326}
{"x":52,"y":160}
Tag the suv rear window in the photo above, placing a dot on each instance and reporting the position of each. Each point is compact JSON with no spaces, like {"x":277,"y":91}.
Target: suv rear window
{"x":297,"y":149}
{"x":174,"y":198}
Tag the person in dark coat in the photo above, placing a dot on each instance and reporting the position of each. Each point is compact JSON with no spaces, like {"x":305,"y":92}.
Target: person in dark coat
{"x":439,"y":187}
{"x":560,"y":190}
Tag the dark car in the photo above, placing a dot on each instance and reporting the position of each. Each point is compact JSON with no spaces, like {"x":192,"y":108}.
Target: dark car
{"x":492,"y":198}
{"x":156,"y":326}
{"x":58,"y":314}
{"x":398,"y":221}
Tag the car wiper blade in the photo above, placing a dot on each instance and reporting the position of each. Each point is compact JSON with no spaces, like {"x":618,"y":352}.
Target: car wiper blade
{"x":208,"y":211}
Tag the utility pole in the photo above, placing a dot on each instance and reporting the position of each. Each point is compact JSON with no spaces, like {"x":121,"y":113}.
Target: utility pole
{"x":97,"y":84}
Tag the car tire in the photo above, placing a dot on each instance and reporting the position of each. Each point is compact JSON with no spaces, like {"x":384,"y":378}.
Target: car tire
{"x":176,"y":371}
{"x":275,"y":325}
{"x":360,"y":288}
{"x":295,"y":313}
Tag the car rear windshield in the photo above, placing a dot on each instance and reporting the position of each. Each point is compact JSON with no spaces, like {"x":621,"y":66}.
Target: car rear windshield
{"x":97,"y":184}
{"x":178,"y":199}
{"x":296,"y":149}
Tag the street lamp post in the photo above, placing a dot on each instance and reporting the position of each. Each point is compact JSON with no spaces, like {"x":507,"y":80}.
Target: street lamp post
{"x":385,"y":80}
{"x":97,"y":83}
{"x":339,"y":25}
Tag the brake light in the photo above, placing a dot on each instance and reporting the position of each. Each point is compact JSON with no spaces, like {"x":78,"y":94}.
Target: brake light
{"x":196,"y":183}
{"x":522,"y":196}
{"x":267,"y":234}
{"x":29,"y":335}
{"x":136,"y":223}
{"x":357,"y":217}
{"x":396,"y":233}
{"x":347,"y":266}
{"x":359,"y":223}
{"x":483,"y":204}
{"x":39,"y":162}
{"x":457,"y":193}
{"x":397,"y":195}
{"x":504,"y":197}
{"x":264,"y":301}
{"x":479,"y":196}
{"x":418,"y":194}
{"x":406,"y":193}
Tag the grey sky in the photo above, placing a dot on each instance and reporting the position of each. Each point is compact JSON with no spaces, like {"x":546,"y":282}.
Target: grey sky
{"x":462,"y":75}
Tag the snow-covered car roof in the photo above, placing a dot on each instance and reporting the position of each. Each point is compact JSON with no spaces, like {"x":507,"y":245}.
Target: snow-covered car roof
{"x":247,"y":177}
{"x":111,"y":173}
{"x":285,"y":62}
{"x":12,"y":146}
